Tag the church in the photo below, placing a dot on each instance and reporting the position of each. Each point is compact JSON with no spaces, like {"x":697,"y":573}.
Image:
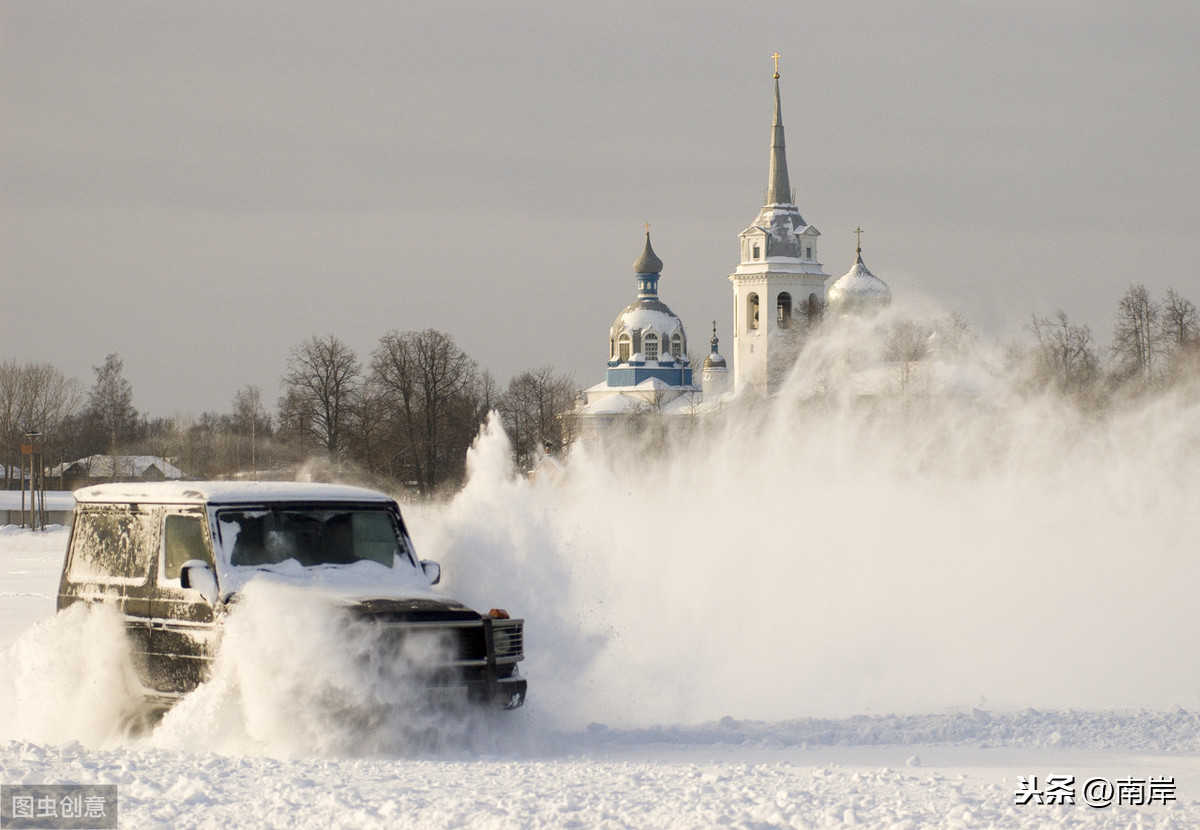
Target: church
{"x":779,"y":289}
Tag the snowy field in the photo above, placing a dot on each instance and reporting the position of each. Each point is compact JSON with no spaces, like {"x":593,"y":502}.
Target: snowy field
{"x":951,"y":769}
{"x":887,"y":619}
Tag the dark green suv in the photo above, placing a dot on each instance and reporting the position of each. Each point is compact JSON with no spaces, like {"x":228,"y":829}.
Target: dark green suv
{"x":172,"y":557}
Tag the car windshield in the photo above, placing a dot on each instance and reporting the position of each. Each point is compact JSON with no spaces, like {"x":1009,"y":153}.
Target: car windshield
{"x":311,"y":535}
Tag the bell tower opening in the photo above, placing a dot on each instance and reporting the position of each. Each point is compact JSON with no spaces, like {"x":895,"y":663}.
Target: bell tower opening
{"x":783,"y":310}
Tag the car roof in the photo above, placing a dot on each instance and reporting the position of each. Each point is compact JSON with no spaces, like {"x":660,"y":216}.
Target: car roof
{"x":224,"y":492}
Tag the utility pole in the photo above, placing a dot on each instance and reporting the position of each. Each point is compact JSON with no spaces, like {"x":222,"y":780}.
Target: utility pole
{"x":32,"y":449}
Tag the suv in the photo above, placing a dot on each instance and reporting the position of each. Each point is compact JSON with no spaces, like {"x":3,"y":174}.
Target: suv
{"x":172,"y":556}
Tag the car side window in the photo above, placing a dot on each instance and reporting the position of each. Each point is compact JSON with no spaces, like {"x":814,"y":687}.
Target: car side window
{"x":183,"y":539}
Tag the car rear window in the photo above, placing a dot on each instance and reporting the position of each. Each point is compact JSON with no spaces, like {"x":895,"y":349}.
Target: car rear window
{"x":111,"y":544}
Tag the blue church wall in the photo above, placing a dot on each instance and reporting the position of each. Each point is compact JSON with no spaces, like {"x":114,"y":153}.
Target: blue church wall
{"x":626,"y":375}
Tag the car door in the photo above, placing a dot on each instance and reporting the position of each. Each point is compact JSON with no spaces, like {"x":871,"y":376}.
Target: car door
{"x":182,"y":628}
{"x":109,"y":563}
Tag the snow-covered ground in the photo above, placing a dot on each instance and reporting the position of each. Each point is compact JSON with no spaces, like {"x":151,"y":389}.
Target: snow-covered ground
{"x":950,"y":769}
{"x":813,"y":617}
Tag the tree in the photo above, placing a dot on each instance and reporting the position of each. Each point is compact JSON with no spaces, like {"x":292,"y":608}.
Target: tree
{"x":432,"y":391}
{"x":1179,"y":323}
{"x":1179,"y":328}
{"x":319,"y":388}
{"x":1065,"y":355}
{"x":34,"y":397}
{"x":250,"y":420}
{"x":1136,"y":333}
{"x":531,"y":410}
{"x":954,"y":337}
{"x":907,"y":344}
{"x":110,"y":407}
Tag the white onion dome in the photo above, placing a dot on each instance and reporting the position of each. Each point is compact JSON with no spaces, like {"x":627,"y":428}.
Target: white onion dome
{"x":858,"y":290}
{"x":647,"y":317}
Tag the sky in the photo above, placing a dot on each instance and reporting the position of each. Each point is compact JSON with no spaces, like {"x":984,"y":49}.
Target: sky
{"x":199,"y":187}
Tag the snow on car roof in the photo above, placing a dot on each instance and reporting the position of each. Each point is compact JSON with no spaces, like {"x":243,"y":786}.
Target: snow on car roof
{"x":224,"y":492}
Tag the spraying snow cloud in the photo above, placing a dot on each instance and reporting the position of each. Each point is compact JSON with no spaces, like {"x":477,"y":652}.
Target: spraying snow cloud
{"x":840,"y":551}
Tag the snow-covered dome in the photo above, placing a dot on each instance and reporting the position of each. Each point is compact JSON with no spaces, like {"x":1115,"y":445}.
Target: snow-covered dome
{"x":858,"y":290}
{"x":647,"y":316}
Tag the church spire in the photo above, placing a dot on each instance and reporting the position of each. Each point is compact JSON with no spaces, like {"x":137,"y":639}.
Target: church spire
{"x":779,"y":190}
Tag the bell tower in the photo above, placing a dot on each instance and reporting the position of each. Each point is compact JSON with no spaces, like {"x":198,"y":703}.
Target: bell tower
{"x":779,"y":278}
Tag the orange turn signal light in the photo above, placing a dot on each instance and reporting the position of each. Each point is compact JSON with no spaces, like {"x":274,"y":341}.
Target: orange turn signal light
{"x":499,"y":613}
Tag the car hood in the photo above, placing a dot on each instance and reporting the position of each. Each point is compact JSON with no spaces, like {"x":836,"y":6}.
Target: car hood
{"x":356,"y":584}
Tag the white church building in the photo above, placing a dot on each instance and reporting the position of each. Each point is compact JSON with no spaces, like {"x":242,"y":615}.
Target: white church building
{"x":778,"y":285}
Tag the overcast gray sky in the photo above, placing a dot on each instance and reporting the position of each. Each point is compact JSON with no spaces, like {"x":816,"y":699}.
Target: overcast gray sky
{"x":200,"y":186}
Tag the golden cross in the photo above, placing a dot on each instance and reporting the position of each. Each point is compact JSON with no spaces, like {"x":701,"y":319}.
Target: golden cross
{"x":858,"y":232}
{"x":775,"y":58}
{"x":647,"y":229}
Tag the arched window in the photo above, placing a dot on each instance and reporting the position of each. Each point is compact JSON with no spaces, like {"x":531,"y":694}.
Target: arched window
{"x":752,"y":312}
{"x":814,"y":309}
{"x":650,"y":345}
{"x":783,"y":310}
{"x":624,"y":348}
{"x":677,"y":345}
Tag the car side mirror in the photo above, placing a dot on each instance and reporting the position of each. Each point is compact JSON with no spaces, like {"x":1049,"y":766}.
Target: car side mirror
{"x":197,"y":575}
{"x":432,"y":570}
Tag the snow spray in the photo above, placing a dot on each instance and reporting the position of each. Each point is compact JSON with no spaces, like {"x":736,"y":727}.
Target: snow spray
{"x":861,"y":543}
{"x":70,"y":678}
{"x":295,"y":677}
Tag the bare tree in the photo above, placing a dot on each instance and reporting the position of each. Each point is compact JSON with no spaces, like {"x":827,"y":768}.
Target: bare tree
{"x":1179,"y":326}
{"x":907,"y":345}
{"x":1065,"y":356}
{"x":250,"y":420}
{"x":1136,"y":333}
{"x":531,"y":409}
{"x":954,"y":339}
{"x":322,"y":379}
{"x":432,"y":391}
{"x":367,"y":429}
{"x":1179,"y":322}
{"x":10,"y":417}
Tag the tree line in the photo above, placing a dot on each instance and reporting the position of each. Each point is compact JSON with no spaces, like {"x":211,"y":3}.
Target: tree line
{"x":1155,"y":344}
{"x":405,"y":415}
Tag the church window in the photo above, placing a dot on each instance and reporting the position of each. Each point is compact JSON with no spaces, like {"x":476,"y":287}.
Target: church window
{"x":783,"y":310}
{"x":650,"y":344}
{"x":757,"y":251}
{"x":808,"y":252}
{"x":677,"y":346}
{"x":752,"y":312}
{"x":624,"y":348}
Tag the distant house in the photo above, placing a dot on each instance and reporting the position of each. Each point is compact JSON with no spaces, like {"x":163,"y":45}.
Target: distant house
{"x":96,"y":469}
